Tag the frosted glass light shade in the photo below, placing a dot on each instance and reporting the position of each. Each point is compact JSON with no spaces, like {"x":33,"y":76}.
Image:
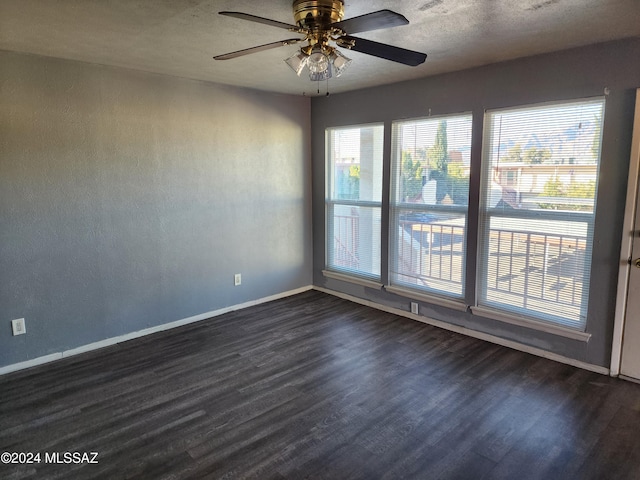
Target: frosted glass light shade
{"x":340,"y":62}
{"x":319,"y":76}
{"x":322,"y":65}
{"x":318,"y":62}
{"x":297,"y":62}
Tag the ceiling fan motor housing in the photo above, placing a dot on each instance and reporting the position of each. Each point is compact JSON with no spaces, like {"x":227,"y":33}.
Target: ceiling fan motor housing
{"x":317,"y":14}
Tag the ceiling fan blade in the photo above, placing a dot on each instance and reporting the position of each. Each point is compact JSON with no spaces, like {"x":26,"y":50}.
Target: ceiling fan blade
{"x":382,"y":50}
{"x":259,"y":48}
{"x":266,"y":21}
{"x":372,"y":21}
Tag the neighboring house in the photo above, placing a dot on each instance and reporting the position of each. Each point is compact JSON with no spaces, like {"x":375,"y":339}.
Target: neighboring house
{"x":522,"y":183}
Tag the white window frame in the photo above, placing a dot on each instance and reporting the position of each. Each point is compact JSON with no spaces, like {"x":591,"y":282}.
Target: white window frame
{"x":521,"y":316}
{"x":433,"y":295}
{"x":332,"y":270}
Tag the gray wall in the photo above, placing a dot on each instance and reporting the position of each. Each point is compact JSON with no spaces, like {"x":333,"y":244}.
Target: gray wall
{"x":572,"y":74}
{"x":129,"y":200}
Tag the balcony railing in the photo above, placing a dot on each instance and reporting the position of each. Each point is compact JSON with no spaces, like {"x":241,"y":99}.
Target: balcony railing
{"x":539,"y":271}
{"x":346,"y":230}
{"x":431,"y":255}
{"x":527,"y":270}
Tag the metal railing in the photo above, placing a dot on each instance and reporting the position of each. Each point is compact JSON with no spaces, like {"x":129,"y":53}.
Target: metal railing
{"x":346,"y":232}
{"x":431,"y":255}
{"x":533,"y":270}
{"x":528,"y":270}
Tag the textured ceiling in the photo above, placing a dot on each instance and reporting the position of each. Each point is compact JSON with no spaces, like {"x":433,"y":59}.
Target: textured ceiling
{"x":179,"y":37}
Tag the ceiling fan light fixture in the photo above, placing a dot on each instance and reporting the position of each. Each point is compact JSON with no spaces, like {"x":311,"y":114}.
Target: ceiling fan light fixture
{"x":297,"y":62}
{"x":320,"y":76}
{"x":340,"y":62}
{"x":321,"y":24}
{"x":318,"y":62}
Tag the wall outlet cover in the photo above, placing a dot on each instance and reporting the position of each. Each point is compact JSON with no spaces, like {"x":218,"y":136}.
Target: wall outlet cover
{"x":414,"y":307}
{"x":237,"y":279}
{"x":18,"y":326}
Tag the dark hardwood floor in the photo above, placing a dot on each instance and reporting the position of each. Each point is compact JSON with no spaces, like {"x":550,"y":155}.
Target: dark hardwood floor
{"x":317,"y":387}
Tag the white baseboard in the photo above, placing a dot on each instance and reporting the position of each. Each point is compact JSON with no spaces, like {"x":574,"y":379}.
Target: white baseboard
{"x":147,"y":331}
{"x":471,"y":333}
{"x":197,"y":318}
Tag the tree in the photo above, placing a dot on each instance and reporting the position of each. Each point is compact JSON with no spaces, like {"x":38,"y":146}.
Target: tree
{"x":438,"y":158}
{"x":514,"y":154}
{"x":411,"y":177}
{"x":354,"y":181}
{"x":582,"y":190}
{"x":535,"y":155}
{"x":554,"y":188}
{"x":458,"y":183}
{"x":438,"y":154}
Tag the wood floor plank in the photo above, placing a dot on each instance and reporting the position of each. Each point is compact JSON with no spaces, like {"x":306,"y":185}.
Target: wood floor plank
{"x":316,"y":387}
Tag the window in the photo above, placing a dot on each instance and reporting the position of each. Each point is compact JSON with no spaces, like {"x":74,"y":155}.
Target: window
{"x":538,"y":185}
{"x":354,"y":199}
{"x":540,"y":174}
{"x":430,"y":164}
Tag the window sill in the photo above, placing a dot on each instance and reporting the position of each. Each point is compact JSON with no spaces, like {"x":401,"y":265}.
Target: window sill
{"x":425,"y":297}
{"x":514,"y":319}
{"x":352,"y":279}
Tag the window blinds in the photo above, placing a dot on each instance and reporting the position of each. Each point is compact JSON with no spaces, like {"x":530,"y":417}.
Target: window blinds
{"x":539,"y":184}
{"x":430,"y":166}
{"x":354,"y":199}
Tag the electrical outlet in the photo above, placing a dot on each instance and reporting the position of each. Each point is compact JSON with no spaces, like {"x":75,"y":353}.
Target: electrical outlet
{"x":414,"y":307}
{"x":18,"y":326}
{"x":237,"y":279}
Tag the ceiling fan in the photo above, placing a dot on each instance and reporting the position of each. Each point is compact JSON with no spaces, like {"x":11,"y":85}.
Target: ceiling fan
{"x":320,"y":21}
